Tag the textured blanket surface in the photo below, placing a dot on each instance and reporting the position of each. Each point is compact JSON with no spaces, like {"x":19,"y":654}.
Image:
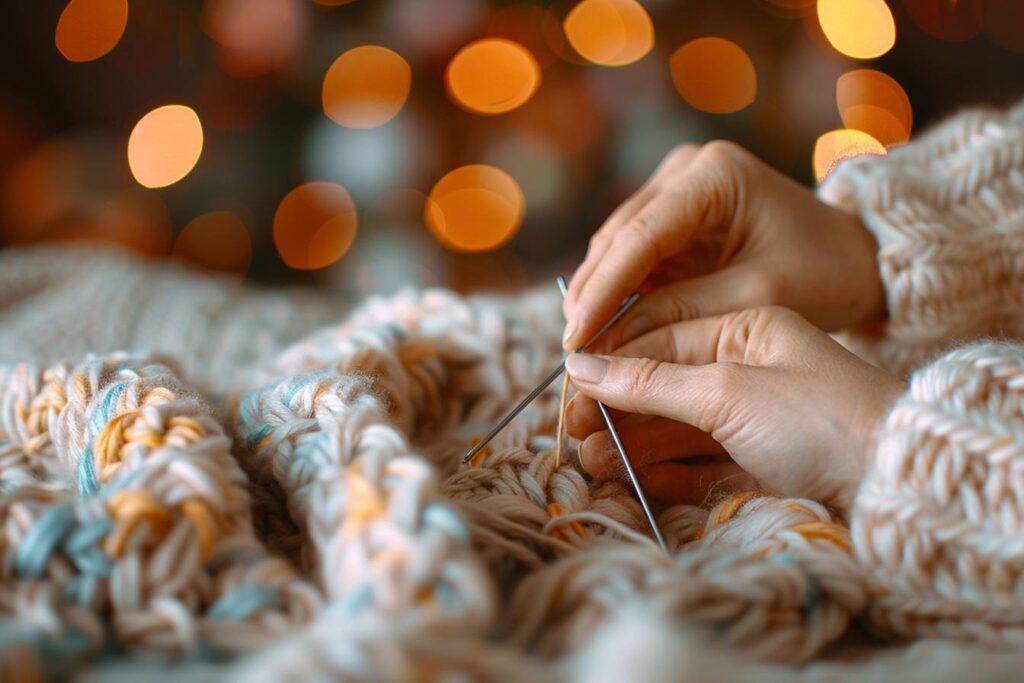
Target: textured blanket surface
{"x":203,"y":481}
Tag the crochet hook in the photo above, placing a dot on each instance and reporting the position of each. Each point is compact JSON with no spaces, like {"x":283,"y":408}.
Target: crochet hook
{"x":622,"y":452}
{"x":552,"y":376}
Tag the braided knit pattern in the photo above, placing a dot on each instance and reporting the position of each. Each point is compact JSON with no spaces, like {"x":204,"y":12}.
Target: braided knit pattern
{"x":940,"y":519}
{"x":948,"y":214}
{"x":126,"y":521}
{"x":364,"y":550}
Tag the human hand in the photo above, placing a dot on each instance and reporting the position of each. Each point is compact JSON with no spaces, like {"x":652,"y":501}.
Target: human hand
{"x":716,"y":230}
{"x":793,"y":408}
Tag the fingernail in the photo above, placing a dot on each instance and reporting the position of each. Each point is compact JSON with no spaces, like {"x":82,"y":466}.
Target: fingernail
{"x":587,"y":367}
{"x":636,"y":326}
{"x":570,"y":329}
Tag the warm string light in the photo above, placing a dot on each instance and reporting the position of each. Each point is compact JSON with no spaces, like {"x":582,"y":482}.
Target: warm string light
{"x":492,"y":76}
{"x":255,"y":37}
{"x":862,"y":29}
{"x":314,"y":225}
{"x":837,"y":145}
{"x":873,"y":102}
{"x":89,"y":29}
{"x":165,"y":145}
{"x":475,"y":208}
{"x":610,"y":32}
{"x":714,"y":75}
{"x":366,"y":87}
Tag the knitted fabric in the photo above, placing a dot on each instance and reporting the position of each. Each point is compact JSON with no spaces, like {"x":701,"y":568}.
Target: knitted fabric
{"x":948,"y":214}
{"x":252,"y":498}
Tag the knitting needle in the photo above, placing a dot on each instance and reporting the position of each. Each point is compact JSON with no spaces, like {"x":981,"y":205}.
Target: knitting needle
{"x":622,"y":452}
{"x":552,"y":376}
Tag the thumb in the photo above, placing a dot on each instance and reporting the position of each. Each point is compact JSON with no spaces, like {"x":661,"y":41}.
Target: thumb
{"x":705,"y":396}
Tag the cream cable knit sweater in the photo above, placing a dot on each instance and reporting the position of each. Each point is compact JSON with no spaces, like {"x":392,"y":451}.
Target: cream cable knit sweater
{"x":939,"y":518}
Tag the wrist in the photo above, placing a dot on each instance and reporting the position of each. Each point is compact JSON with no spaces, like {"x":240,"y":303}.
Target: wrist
{"x":870,"y":297}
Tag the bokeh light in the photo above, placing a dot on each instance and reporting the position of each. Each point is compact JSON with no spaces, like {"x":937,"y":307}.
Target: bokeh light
{"x":610,"y":32}
{"x":475,"y":208}
{"x":255,"y":37}
{"x":78,"y":187}
{"x":89,"y":29}
{"x":314,"y":225}
{"x":366,"y":87}
{"x":217,"y":241}
{"x":714,"y":75}
{"x":844,"y":143}
{"x":165,"y":145}
{"x":862,"y":29}
{"x":492,"y":76}
{"x":953,"y":21}
{"x":873,"y":102}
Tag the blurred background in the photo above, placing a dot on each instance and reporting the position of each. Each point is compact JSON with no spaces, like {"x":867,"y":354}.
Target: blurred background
{"x":363,"y":145}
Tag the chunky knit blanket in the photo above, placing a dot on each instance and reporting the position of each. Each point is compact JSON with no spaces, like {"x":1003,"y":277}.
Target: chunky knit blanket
{"x":204,"y":481}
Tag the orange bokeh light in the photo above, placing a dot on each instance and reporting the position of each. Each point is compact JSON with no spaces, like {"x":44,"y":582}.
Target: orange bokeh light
{"x":165,"y":145}
{"x":475,"y":208}
{"x":366,"y":87}
{"x":492,"y":76}
{"x":836,"y":145}
{"x":89,"y":29}
{"x":256,"y":37}
{"x":216,"y":241}
{"x":714,"y":75}
{"x":314,"y":225}
{"x":610,"y":32}
{"x":873,"y":102}
{"x":862,"y":29}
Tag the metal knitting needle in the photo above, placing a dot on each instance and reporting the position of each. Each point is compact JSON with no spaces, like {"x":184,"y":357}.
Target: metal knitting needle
{"x":622,"y":452}
{"x":552,"y":376}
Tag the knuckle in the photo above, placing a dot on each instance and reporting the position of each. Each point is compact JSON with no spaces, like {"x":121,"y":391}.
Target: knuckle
{"x":639,"y":233}
{"x":644,"y":378}
{"x":681,"y":153}
{"x":682,"y":309}
{"x":722,"y":152}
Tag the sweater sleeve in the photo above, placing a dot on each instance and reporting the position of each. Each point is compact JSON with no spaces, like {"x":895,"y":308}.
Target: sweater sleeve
{"x":947,"y":211}
{"x":939,"y":518}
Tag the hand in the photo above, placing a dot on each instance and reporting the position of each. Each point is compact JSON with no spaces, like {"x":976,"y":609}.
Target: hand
{"x":715,"y":230}
{"x":792,"y":407}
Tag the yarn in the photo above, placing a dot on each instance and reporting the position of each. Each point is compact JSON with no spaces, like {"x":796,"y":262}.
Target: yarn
{"x":129,"y":525}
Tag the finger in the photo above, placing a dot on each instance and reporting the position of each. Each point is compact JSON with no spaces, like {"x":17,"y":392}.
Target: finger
{"x":705,"y":396}
{"x":679,"y":483}
{"x":648,"y":441}
{"x":720,"y":292}
{"x":673,"y":164}
{"x":662,"y":229}
{"x":753,"y":337}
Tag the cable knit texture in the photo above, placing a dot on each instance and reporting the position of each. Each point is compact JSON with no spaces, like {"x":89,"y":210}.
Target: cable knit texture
{"x":948,"y":214}
{"x":268,"y":486}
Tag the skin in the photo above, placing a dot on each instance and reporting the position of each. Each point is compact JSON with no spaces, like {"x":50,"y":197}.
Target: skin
{"x":721,"y":373}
